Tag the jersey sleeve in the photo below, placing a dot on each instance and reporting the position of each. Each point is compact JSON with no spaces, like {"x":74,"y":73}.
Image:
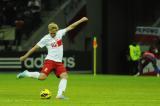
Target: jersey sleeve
{"x":62,"y":32}
{"x":42,"y":42}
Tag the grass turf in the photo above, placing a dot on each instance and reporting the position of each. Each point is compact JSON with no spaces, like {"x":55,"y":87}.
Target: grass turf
{"x":82,"y":90}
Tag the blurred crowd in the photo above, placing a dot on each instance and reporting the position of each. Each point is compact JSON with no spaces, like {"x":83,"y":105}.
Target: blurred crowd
{"x":24,"y":15}
{"x":12,"y":10}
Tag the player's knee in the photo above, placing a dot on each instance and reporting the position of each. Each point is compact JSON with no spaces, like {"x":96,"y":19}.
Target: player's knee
{"x":64,"y":75}
{"x":42,"y":76}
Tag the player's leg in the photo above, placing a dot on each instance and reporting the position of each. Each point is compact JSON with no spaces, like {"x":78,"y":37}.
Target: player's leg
{"x":62,"y":74}
{"x":139,"y":67}
{"x":64,"y":77}
{"x":38,"y":75}
{"x":26,"y":73}
{"x":62,"y":85}
{"x":46,"y":70}
{"x":63,"y":82}
{"x":142,"y":63}
{"x":157,"y":70}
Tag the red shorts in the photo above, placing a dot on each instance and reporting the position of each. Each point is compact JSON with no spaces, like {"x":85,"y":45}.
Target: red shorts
{"x":50,"y":65}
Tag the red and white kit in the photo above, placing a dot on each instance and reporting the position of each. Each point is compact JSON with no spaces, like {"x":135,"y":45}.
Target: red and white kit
{"x":54,"y":57}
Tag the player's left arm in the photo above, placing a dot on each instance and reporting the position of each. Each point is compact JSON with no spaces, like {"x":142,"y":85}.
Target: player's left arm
{"x":75,"y":24}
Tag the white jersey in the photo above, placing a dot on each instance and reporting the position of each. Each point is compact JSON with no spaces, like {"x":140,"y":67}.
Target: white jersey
{"x":54,"y":45}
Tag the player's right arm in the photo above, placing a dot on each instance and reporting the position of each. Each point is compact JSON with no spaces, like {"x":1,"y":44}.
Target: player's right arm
{"x":32,"y":50}
{"x":40,"y":44}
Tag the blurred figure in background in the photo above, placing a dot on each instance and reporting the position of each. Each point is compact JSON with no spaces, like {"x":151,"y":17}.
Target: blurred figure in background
{"x":133,"y":57}
{"x":19,"y":23}
{"x":149,"y":56}
{"x":35,"y":7}
{"x":9,"y":12}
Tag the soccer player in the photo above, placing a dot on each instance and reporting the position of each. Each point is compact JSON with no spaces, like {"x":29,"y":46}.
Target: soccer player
{"x":149,"y":56}
{"x":53,"y":61}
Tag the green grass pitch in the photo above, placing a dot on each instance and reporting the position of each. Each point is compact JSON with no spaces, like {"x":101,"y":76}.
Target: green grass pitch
{"x":82,"y":90}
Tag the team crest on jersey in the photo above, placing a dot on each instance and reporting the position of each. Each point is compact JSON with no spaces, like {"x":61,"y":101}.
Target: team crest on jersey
{"x":57,"y":43}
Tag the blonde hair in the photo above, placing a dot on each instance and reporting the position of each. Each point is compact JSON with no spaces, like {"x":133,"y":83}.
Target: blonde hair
{"x":52,"y":26}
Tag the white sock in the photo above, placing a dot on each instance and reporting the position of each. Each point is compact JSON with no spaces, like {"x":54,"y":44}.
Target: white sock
{"x":33,"y":74}
{"x":62,"y":86}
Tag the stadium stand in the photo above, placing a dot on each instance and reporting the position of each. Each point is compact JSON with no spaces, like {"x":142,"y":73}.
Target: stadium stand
{"x":24,"y":17}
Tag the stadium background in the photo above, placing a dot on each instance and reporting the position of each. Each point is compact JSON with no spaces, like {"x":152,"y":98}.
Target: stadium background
{"x":115,"y":23}
{"x":112,"y":22}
